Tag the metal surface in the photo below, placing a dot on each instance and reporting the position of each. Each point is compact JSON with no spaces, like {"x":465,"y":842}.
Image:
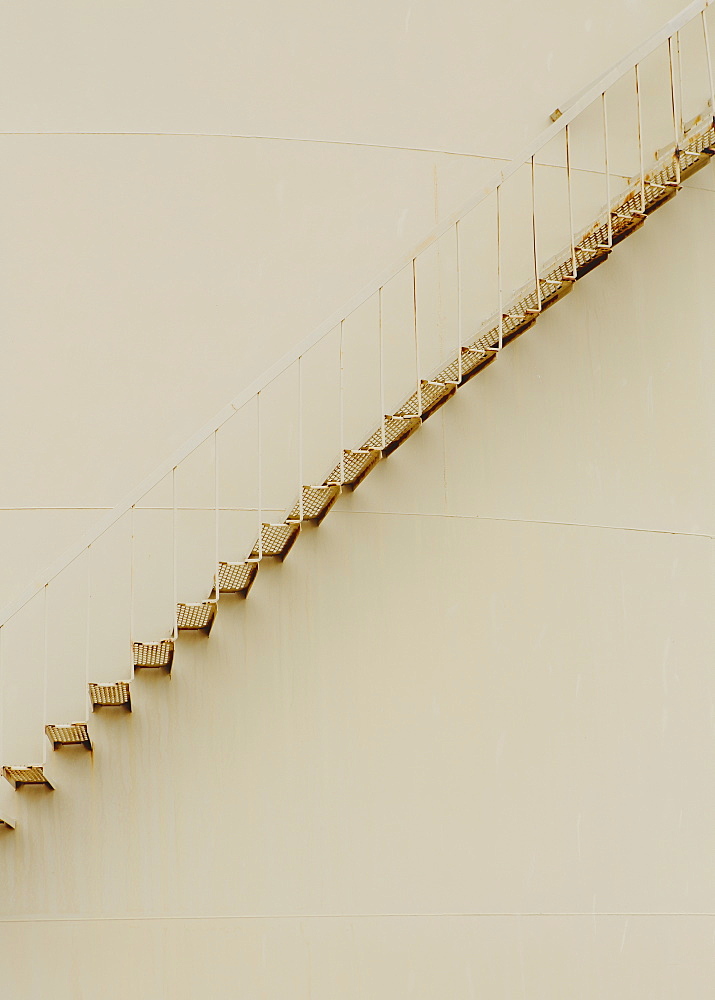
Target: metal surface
{"x":276,"y":541}
{"x":31,"y":775}
{"x":196,"y":617}
{"x":153,"y":654}
{"x":68,"y":735}
{"x":236,"y":578}
{"x":354,"y":466}
{"x":110,"y":695}
{"x":398,"y":428}
{"x":432,"y":395}
{"x":315,"y":503}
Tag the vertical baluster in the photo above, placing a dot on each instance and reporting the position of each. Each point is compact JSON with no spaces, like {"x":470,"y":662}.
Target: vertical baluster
{"x":300,"y":439}
{"x":537,"y":283}
{"x":174,"y":542}
{"x":679,"y":68}
{"x":131,"y":586}
{"x":673,"y":103}
{"x":417,"y":339}
{"x":45,"y":661}
{"x":609,"y":219}
{"x":88,"y":629}
{"x":260,"y":476}
{"x":640,"y":138}
{"x":460,"y":339}
{"x":500,"y":302}
{"x":2,"y":698}
{"x":706,"y":39}
{"x":217,"y":523}
{"x":341,"y":400}
{"x":574,"y":266}
{"x":383,"y":430}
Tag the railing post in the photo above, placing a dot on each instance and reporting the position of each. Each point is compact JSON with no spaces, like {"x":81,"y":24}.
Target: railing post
{"x":300,"y":439}
{"x":460,"y":340}
{"x":709,"y":64}
{"x":260,"y":476}
{"x":383,"y":430}
{"x":537,"y":283}
{"x":341,"y":400}
{"x":640,"y":137}
{"x":417,"y":339}
{"x":609,"y":219}
{"x":673,"y":102}
{"x":500,"y":302}
{"x":2,"y":700}
{"x":217,"y":522}
{"x":574,"y":266}
{"x":45,"y":662}
{"x":681,"y":117}
{"x":88,"y":630}
{"x":131,"y":585}
{"x":174,"y":554}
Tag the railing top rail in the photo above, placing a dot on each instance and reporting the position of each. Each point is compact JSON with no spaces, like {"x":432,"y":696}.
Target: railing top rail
{"x":574,"y":108}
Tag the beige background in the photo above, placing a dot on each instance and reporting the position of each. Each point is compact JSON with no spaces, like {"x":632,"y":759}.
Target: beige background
{"x":461,"y":742}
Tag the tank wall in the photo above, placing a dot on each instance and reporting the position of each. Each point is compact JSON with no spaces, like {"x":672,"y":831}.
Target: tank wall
{"x":461,"y":740}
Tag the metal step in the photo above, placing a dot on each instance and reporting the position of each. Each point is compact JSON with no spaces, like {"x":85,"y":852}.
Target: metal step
{"x":474,"y":359}
{"x":196,"y":617}
{"x":317,"y":501}
{"x":236,"y":578}
{"x":154,"y":654}
{"x":432,"y":395}
{"x":398,"y":427}
{"x":71,"y":734}
{"x":276,"y":541}
{"x":29,"y":775}
{"x":556,"y":284}
{"x":357,"y":463}
{"x":110,"y":695}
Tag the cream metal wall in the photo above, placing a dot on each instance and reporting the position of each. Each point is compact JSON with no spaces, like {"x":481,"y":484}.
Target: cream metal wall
{"x":460,"y":743}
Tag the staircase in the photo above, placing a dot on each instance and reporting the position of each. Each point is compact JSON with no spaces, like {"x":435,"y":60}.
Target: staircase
{"x":665,"y":95}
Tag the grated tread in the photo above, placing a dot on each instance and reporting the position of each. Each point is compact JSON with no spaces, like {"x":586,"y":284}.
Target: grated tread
{"x":70,"y":734}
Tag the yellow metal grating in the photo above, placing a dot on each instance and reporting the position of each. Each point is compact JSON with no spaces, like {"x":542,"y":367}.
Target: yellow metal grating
{"x":703,"y":141}
{"x":449,"y":374}
{"x":110,"y":695}
{"x":196,"y":617}
{"x":556,"y":283}
{"x":356,"y":465}
{"x":397,"y":430}
{"x":71,"y":734}
{"x":7,"y":823}
{"x":317,"y":501}
{"x":154,"y":654}
{"x":31,"y":774}
{"x":473,"y":360}
{"x":432,"y":395}
{"x":276,"y":540}
{"x":236,"y":578}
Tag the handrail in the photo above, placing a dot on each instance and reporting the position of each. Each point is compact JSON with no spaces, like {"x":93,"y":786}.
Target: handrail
{"x":577,"y":105}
